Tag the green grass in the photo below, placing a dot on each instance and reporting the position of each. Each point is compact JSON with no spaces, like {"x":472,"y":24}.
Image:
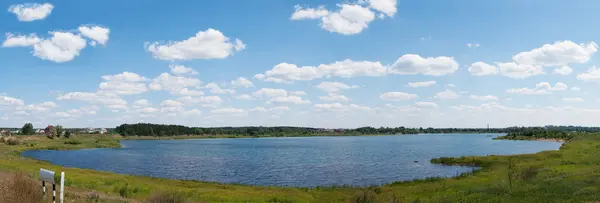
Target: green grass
{"x":571,"y":174}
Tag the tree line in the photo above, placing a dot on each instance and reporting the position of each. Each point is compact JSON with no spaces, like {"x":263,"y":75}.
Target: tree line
{"x":147,"y":129}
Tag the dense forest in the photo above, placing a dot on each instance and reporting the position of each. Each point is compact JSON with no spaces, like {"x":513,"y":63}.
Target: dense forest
{"x":147,"y":129}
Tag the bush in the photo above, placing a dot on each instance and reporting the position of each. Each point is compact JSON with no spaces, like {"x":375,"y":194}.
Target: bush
{"x":20,"y":188}
{"x":13,"y":141}
{"x":166,"y":198}
{"x":73,"y":142}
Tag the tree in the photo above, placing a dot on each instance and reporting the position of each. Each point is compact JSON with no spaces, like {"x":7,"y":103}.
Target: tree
{"x":27,"y":129}
{"x":68,"y":134}
{"x":58,"y":130}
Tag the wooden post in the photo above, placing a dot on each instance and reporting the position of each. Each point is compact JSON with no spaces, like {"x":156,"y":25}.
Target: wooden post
{"x":62,"y":187}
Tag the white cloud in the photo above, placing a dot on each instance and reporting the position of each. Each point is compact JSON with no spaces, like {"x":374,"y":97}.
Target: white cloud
{"x":10,"y":101}
{"x":171,"y":103}
{"x":558,"y":54}
{"x":592,"y":75}
{"x":149,"y":110}
{"x":189,"y":92}
{"x":426,"y":105}
{"x":334,"y":86}
{"x":337,"y":107}
{"x":182,"y":70}
{"x":288,"y":99}
{"x":242,"y":82}
{"x":415,"y":64}
{"x":45,"y":106}
{"x":97,"y":33}
{"x":244,"y":97}
{"x":216,"y":89}
{"x":32,"y":11}
{"x":575,"y":89}
{"x":298,"y":93}
{"x":349,"y":20}
{"x":421,"y":84}
{"x":270,"y":92}
{"x":124,"y":83}
{"x":573,"y":99}
{"x":193,"y":112}
{"x":125,"y":77}
{"x":277,"y":109}
{"x":209,"y":44}
{"x":481,"y":69}
{"x":62,"y":47}
{"x":563,"y":70}
{"x":473,"y":45}
{"x":540,"y":88}
{"x":448,"y":94}
{"x":519,"y":71}
{"x":75,"y":113}
{"x":110,"y":100}
{"x":385,"y":6}
{"x":484,"y":98}
{"x":174,"y":84}
{"x":205,"y":101}
{"x":407,"y":64}
{"x":228,"y":110}
{"x":451,"y":85}
{"x":397,"y":96}
{"x":141,"y":103}
{"x":13,"y":40}
{"x":334,"y":97}
{"x":309,"y":13}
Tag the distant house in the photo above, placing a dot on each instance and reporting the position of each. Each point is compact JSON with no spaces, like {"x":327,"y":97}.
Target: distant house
{"x":40,"y":131}
{"x":48,"y":129}
{"x":103,"y":131}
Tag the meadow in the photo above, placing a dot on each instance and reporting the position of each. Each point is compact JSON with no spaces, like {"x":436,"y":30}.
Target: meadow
{"x":571,"y":174}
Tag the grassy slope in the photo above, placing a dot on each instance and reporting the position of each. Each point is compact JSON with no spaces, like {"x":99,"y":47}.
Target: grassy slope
{"x":569,"y":175}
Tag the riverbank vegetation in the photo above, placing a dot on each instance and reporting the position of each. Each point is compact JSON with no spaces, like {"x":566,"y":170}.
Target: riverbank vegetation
{"x":550,"y":134}
{"x":568,"y":175}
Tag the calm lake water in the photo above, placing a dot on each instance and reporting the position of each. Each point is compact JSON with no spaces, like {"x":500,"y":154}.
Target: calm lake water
{"x":302,"y":161}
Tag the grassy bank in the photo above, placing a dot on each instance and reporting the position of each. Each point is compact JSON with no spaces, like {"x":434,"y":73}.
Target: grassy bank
{"x":571,"y":174}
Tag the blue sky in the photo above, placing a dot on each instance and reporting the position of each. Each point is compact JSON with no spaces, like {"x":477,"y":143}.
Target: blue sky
{"x":504,"y":63}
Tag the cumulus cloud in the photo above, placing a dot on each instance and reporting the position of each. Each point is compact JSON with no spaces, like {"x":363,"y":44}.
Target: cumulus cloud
{"x":397,"y":96}
{"x":519,"y":71}
{"x":173,"y":84}
{"x":540,"y":88}
{"x":406,"y":64}
{"x":298,"y":93}
{"x":209,"y":44}
{"x":350,"y":19}
{"x":481,"y":69}
{"x":334,"y":86}
{"x":244,"y":97}
{"x":592,"y":75}
{"x":242,"y":82}
{"x":31,"y":11}
{"x":473,"y":45}
{"x":448,"y":94}
{"x":204,"y":101}
{"x":288,"y":99}
{"x":484,"y":98}
{"x":61,"y":47}
{"x":44,"y":106}
{"x":573,"y":99}
{"x":426,"y":105}
{"x":270,"y":92}
{"x":558,"y":54}
{"x":227,"y":110}
{"x":141,"y":103}
{"x":13,"y":40}
{"x":337,"y":107}
{"x":216,"y":89}
{"x":10,"y":101}
{"x":388,"y":7}
{"x":124,"y":83}
{"x":334,"y":97}
{"x":563,"y":70}
{"x":415,"y":64}
{"x":421,"y":84}
{"x":182,"y":70}
{"x":97,"y":33}
{"x":110,"y":100}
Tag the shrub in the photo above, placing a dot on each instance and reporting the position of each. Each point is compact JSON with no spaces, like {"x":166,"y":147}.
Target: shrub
{"x":73,"y":142}
{"x":166,"y":197}
{"x":93,"y":197}
{"x":20,"y":188}
{"x":13,"y":141}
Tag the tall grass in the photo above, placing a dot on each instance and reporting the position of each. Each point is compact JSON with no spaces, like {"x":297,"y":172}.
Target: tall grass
{"x":20,"y":189}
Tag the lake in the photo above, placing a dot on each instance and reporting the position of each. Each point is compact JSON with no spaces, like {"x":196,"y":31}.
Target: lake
{"x":297,"y":161}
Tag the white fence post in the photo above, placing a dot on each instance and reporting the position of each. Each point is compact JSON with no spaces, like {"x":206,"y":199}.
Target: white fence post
{"x":62,"y":187}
